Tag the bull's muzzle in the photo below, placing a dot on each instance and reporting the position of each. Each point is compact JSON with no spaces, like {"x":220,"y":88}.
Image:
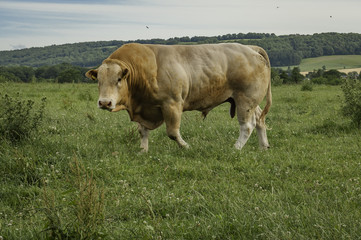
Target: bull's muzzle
{"x":105,"y":104}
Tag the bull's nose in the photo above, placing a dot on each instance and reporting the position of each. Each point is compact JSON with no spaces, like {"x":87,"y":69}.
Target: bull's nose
{"x":105,"y":104}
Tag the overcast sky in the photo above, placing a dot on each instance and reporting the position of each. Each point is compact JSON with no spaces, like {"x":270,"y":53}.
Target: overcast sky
{"x":34,"y":23}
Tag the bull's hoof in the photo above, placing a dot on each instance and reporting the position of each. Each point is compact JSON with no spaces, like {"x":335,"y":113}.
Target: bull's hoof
{"x":238,"y":146}
{"x":265,"y":148}
{"x":143,"y":151}
{"x":184,"y":145}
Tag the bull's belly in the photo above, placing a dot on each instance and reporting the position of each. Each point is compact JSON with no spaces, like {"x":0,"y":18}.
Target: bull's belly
{"x":205,"y":104}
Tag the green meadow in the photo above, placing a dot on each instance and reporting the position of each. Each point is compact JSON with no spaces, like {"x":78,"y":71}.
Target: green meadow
{"x":80,"y":174}
{"x":330,"y":62}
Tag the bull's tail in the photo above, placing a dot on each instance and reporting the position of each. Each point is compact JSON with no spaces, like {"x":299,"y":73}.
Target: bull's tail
{"x":266,"y":60}
{"x":268,"y":103}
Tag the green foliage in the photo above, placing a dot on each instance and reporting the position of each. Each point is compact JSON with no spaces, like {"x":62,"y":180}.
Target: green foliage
{"x":332,"y":74}
{"x":289,"y":50}
{"x":286,"y":50}
{"x":331,"y":77}
{"x":276,"y":80}
{"x":279,"y":76}
{"x":17,"y":74}
{"x":319,"y":80}
{"x":8,"y":77}
{"x":307,"y":86}
{"x":352,"y":104}
{"x":19,"y":118}
{"x":69,"y":75}
{"x":62,"y":73}
{"x":296,"y":76}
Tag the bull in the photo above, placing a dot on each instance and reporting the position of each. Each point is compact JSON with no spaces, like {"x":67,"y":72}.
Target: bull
{"x":157,"y":83}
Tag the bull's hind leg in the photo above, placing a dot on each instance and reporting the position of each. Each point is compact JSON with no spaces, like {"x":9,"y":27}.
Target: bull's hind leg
{"x":261,"y":129}
{"x":247,"y":121}
{"x":172,"y":113}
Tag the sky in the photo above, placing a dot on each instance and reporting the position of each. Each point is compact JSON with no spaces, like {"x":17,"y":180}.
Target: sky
{"x":38,"y":23}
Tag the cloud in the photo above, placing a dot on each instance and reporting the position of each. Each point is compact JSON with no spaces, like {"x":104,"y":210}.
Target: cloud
{"x":17,"y":47}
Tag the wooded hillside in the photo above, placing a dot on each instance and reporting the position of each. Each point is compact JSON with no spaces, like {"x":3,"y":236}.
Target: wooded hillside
{"x":284,"y":50}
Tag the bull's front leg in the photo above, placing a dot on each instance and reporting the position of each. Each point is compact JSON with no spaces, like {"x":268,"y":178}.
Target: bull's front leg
{"x":144,"y":135}
{"x":172,"y":113}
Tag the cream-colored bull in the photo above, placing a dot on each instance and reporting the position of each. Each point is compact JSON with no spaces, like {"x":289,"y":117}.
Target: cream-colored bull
{"x":156,"y":83}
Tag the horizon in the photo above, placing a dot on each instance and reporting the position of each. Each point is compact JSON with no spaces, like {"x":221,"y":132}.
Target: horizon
{"x":40,"y":23}
{"x":134,"y":40}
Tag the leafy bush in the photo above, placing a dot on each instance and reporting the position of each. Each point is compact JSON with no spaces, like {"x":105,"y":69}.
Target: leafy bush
{"x":319,"y":80}
{"x":334,"y":81}
{"x":307,"y":86}
{"x":276,"y":81}
{"x":18,"y":118}
{"x":352,"y":105}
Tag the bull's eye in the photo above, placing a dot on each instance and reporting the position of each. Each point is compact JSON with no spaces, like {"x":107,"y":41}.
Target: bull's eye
{"x":119,"y":80}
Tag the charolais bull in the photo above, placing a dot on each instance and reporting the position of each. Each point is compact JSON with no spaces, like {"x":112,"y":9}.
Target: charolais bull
{"x":157,"y":83}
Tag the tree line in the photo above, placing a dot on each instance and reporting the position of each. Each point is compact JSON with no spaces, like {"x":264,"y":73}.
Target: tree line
{"x":67,"y":73}
{"x":320,"y":76}
{"x":286,"y":50}
{"x":60,"y":73}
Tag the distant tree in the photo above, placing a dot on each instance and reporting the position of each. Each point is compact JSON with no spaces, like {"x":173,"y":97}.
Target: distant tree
{"x":70,"y":75}
{"x":352,"y":75}
{"x":286,"y":50}
{"x":284,"y":76}
{"x":8,"y":77}
{"x":296,"y":76}
{"x":331,"y":74}
{"x":276,"y":80}
{"x":185,"y":39}
{"x":18,"y":73}
{"x":315,"y":74}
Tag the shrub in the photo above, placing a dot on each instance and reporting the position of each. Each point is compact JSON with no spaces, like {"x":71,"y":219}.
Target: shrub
{"x":18,"y":118}
{"x":352,"y":105}
{"x":334,"y":81}
{"x":307,"y":86}
{"x":276,"y":81}
{"x":319,"y":80}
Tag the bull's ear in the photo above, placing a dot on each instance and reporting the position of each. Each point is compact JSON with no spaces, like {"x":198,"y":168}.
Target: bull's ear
{"x":125,"y":73}
{"x":92,"y":74}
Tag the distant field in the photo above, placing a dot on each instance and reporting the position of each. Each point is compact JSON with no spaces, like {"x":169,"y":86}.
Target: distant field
{"x":331,"y":62}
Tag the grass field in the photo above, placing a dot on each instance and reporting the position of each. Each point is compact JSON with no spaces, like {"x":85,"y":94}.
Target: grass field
{"x":330,"y":62}
{"x":81,"y":176}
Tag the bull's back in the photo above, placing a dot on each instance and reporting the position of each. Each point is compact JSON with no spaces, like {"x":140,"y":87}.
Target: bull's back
{"x":205,"y":75}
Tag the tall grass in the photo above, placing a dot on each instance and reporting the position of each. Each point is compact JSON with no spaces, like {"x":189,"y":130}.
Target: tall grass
{"x":80,"y":175}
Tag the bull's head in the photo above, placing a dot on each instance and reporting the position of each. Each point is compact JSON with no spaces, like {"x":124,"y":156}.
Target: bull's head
{"x":112,"y":83}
